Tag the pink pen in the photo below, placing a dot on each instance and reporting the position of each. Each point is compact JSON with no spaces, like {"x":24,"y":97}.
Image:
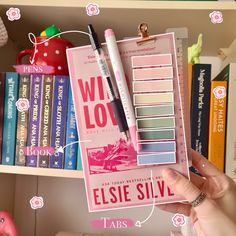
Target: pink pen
{"x":121,"y":84}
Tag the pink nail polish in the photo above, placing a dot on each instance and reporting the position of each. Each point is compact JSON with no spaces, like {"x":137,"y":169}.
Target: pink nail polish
{"x":169,"y":174}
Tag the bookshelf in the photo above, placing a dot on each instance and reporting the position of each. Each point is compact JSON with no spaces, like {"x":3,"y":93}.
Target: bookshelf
{"x":63,"y":189}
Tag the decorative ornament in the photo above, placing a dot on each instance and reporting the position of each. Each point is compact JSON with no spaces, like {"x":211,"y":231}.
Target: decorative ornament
{"x":216,"y":17}
{"x":13,"y":14}
{"x":36,"y":202}
{"x":92,"y":9}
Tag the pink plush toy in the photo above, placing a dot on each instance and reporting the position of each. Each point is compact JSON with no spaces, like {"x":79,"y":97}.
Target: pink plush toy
{"x":7,"y":226}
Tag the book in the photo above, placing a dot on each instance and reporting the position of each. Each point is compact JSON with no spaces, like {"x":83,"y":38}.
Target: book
{"x":22,"y":119}
{"x":2,"y":92}
{"x":59,"y":112}
{"x":217,"y":123}
{"x":113,"y":177}
{"x":10,"y":118}
{"x":46,"y":118}
{"x":200,"y":105}
{"x":71,"y":149}
{"x":34,"y":119}
{"x":228,"y":74}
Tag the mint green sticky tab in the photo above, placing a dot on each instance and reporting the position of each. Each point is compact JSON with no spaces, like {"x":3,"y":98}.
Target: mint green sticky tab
{"x":161,"y":110}
{"x":156,"y":134}
{"x":152,"y":123}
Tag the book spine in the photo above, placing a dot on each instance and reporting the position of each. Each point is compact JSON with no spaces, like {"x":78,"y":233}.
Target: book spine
{"x":79,"y":159}
{"x":2,"y":87}
{"x":200,"y":105}
{"x":60,"y":102}
{"x":34,"y":119}
{"x":71,"y":136}
{"x":46,"y":118}
{"x":230,"y":152}
{"x":217,"y":123}
{"x":22,"y":119}
{"x":10,"y":118}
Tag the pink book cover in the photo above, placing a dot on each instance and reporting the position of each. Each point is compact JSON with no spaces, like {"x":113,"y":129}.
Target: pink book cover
{"x":112,"y":177}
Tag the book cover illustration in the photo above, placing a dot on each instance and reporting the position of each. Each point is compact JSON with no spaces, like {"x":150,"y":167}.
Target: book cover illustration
{"x":112,"y":177}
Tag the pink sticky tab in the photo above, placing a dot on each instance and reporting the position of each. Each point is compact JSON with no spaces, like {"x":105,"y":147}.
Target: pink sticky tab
{"x":152,"y":60}
{"x":153,"y":73}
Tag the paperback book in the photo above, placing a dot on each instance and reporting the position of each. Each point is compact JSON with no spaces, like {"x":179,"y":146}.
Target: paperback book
{"x":113,"y":177}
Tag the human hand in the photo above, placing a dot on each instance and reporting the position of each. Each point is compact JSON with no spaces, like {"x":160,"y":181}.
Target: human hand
{"x":216,"y":214}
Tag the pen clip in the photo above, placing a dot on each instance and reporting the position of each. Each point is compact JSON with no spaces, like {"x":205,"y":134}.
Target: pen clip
{"x":143,"y":33}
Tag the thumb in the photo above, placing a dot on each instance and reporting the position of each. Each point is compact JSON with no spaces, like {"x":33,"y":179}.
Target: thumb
{"x":208,"y":214}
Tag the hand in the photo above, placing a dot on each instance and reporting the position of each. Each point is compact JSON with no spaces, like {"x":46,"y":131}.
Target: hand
{"x":216,"y":215}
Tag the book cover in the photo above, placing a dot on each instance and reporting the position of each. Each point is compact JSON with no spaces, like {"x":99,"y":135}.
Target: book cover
{"x":113,"y":178}
{"x":10,"y":118}
{"x":60,"y":102}
{"x":228,"y":74}
{"x":22,"y":119}
{"x":217,"y":123}
{"x":34,"y":119}
{"x":79,"y":165}
{"x":46,"y":118}
{"x":2,"y":92}
{"x":200,"y":105}
{"x":71,"y":149}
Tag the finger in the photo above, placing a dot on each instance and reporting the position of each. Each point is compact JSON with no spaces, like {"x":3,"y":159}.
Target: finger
{"x":180,"y":208}
{"x":182,"y":186}
{"x":197,"y":180}
{"x":204,"y":166}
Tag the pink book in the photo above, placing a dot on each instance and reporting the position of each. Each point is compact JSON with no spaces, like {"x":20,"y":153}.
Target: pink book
{"x":113,"y":177}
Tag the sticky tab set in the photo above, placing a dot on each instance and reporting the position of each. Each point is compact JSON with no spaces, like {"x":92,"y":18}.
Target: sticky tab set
{"x":156,"y":98}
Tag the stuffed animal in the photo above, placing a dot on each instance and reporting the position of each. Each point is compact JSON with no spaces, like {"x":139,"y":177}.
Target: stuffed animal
{"x":7,"y":226}
{"x":3,"y":34}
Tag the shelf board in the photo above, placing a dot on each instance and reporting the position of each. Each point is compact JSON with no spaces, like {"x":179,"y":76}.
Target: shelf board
{"x":22,"y":170}
{"x":128,"y":4}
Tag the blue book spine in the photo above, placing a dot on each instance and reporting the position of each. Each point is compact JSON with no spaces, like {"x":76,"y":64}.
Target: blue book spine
{"x":71,"y":136}
{"x":79,"y":159}
{"x":34,"y":119}
{"x":60,"y":102}
{"x":10,"y":118}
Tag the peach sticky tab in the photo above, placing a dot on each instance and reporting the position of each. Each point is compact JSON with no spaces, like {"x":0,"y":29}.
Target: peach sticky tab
{"x":153,"y":98}
{"x":153,"y":73}
{"x":152,"y":60}
{"x":152,"y":86}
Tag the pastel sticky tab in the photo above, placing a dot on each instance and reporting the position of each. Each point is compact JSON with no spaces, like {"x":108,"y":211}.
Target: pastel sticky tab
{"x":149,"y":135}
{"x":152,"y":86}
{"x":152,"y":60}
{"x":159,"y":110}
{"x":153,"y":98}
{"x":156,"y":123}
{"x":153,"y":73}
{"x":157,"y":158}
{"x":150,"y":147}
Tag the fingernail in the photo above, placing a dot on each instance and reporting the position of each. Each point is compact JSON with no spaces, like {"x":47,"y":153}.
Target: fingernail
{"x":169,"y":174}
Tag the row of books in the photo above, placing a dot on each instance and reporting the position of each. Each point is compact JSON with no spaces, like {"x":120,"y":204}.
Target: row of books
{"x":213,"y":116}
{"x":37,"y":121}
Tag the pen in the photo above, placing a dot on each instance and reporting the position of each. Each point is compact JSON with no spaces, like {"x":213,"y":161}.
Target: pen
{"x":114,"y":99}
{"x":121,"y":84}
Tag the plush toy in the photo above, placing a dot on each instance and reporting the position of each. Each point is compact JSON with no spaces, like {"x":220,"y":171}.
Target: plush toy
{"x":3,"y":33}
{"x":194,"y":51}
{"x":7,"y":226}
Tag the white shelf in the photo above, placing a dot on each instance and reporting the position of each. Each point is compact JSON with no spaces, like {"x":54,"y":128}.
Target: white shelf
{"x":22,"y":170}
